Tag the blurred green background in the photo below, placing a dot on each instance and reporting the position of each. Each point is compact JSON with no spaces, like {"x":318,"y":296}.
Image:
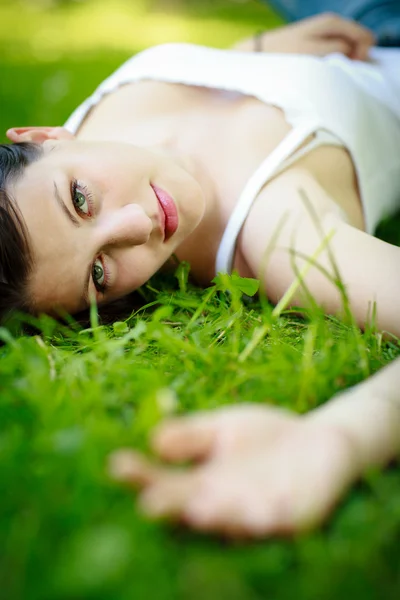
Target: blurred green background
{"x":54,"y":52}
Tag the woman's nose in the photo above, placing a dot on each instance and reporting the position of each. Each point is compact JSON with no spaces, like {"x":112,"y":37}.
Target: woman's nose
{"x":125,"y":226}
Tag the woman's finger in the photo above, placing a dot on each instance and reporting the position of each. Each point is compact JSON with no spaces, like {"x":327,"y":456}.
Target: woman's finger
{"x":169,"y":495}
{"x":361,"y":52}
{"x":333,"y":25}
{"x":131,"y":467}
{"x":226,"y":430}
{"x":185,"y":438}
{"x":165,"y":491}
{"x":323,"y":47}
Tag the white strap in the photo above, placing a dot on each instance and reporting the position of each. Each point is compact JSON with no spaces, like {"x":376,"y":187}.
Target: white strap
{"x":265,"y":171}
{"x":322,"y":138}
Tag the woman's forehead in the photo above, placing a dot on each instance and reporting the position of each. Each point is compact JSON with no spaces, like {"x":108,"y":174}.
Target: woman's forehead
{"x":51,"y":239}
{"x":35,"y":184}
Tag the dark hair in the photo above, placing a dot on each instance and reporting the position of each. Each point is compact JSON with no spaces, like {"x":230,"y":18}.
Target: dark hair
{"x":16,"y":259}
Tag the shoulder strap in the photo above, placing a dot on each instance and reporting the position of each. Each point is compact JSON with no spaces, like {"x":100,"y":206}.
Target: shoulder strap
{"x":259,"y":178}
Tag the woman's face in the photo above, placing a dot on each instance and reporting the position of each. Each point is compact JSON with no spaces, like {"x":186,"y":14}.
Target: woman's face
{"x":102,"y":219}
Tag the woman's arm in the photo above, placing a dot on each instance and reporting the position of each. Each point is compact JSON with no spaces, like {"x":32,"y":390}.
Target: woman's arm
{"x":370,"y":414}
{"x":263,"y":471}
{"x":319,"y":36}
{"x":296,"y":212}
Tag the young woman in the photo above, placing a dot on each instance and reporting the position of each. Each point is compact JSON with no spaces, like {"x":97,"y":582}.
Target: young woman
{"x":268,"y":163}
{"x":277,"y":165}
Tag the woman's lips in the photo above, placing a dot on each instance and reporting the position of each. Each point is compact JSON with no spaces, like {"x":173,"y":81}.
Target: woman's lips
{"x":169,"y":212}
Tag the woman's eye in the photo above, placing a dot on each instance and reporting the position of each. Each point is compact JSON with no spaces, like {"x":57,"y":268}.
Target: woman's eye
{"x":80,"y":202}
{"x":98,"y":274}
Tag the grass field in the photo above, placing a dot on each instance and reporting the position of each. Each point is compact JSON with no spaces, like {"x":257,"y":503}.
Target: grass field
{"x":70,"y":396}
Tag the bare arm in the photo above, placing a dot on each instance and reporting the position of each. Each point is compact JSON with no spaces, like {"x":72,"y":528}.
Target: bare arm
{"x":370,"y":413}
{"x":319,"y":35}
{"x":367,"y":266}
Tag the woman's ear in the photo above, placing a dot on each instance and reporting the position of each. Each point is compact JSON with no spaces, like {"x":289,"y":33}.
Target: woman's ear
{"x":38,"y":134}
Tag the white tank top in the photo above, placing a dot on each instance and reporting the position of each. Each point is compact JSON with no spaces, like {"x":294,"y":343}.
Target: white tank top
{"x":343,"y":102}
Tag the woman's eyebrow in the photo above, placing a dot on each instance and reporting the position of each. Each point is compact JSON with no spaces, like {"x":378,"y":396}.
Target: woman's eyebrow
{"x":64,"y":208}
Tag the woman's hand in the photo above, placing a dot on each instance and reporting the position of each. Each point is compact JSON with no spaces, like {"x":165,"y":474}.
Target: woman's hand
{"x":319,"y":36}
{"x":258,"y":471}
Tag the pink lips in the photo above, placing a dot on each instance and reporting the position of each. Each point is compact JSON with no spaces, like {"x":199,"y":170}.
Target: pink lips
{"x":169,"y":212}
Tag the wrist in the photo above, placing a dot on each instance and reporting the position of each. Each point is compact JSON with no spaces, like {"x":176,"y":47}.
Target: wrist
{"x":369,"y":420}
{"x":337,"y":425}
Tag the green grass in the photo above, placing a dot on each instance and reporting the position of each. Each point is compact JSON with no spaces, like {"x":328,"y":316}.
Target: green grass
{"x":70,"y":396}
{"x":68,"y":399}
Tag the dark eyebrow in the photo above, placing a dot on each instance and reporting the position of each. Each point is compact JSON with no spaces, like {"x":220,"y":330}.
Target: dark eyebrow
{"x":64,"y":208}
